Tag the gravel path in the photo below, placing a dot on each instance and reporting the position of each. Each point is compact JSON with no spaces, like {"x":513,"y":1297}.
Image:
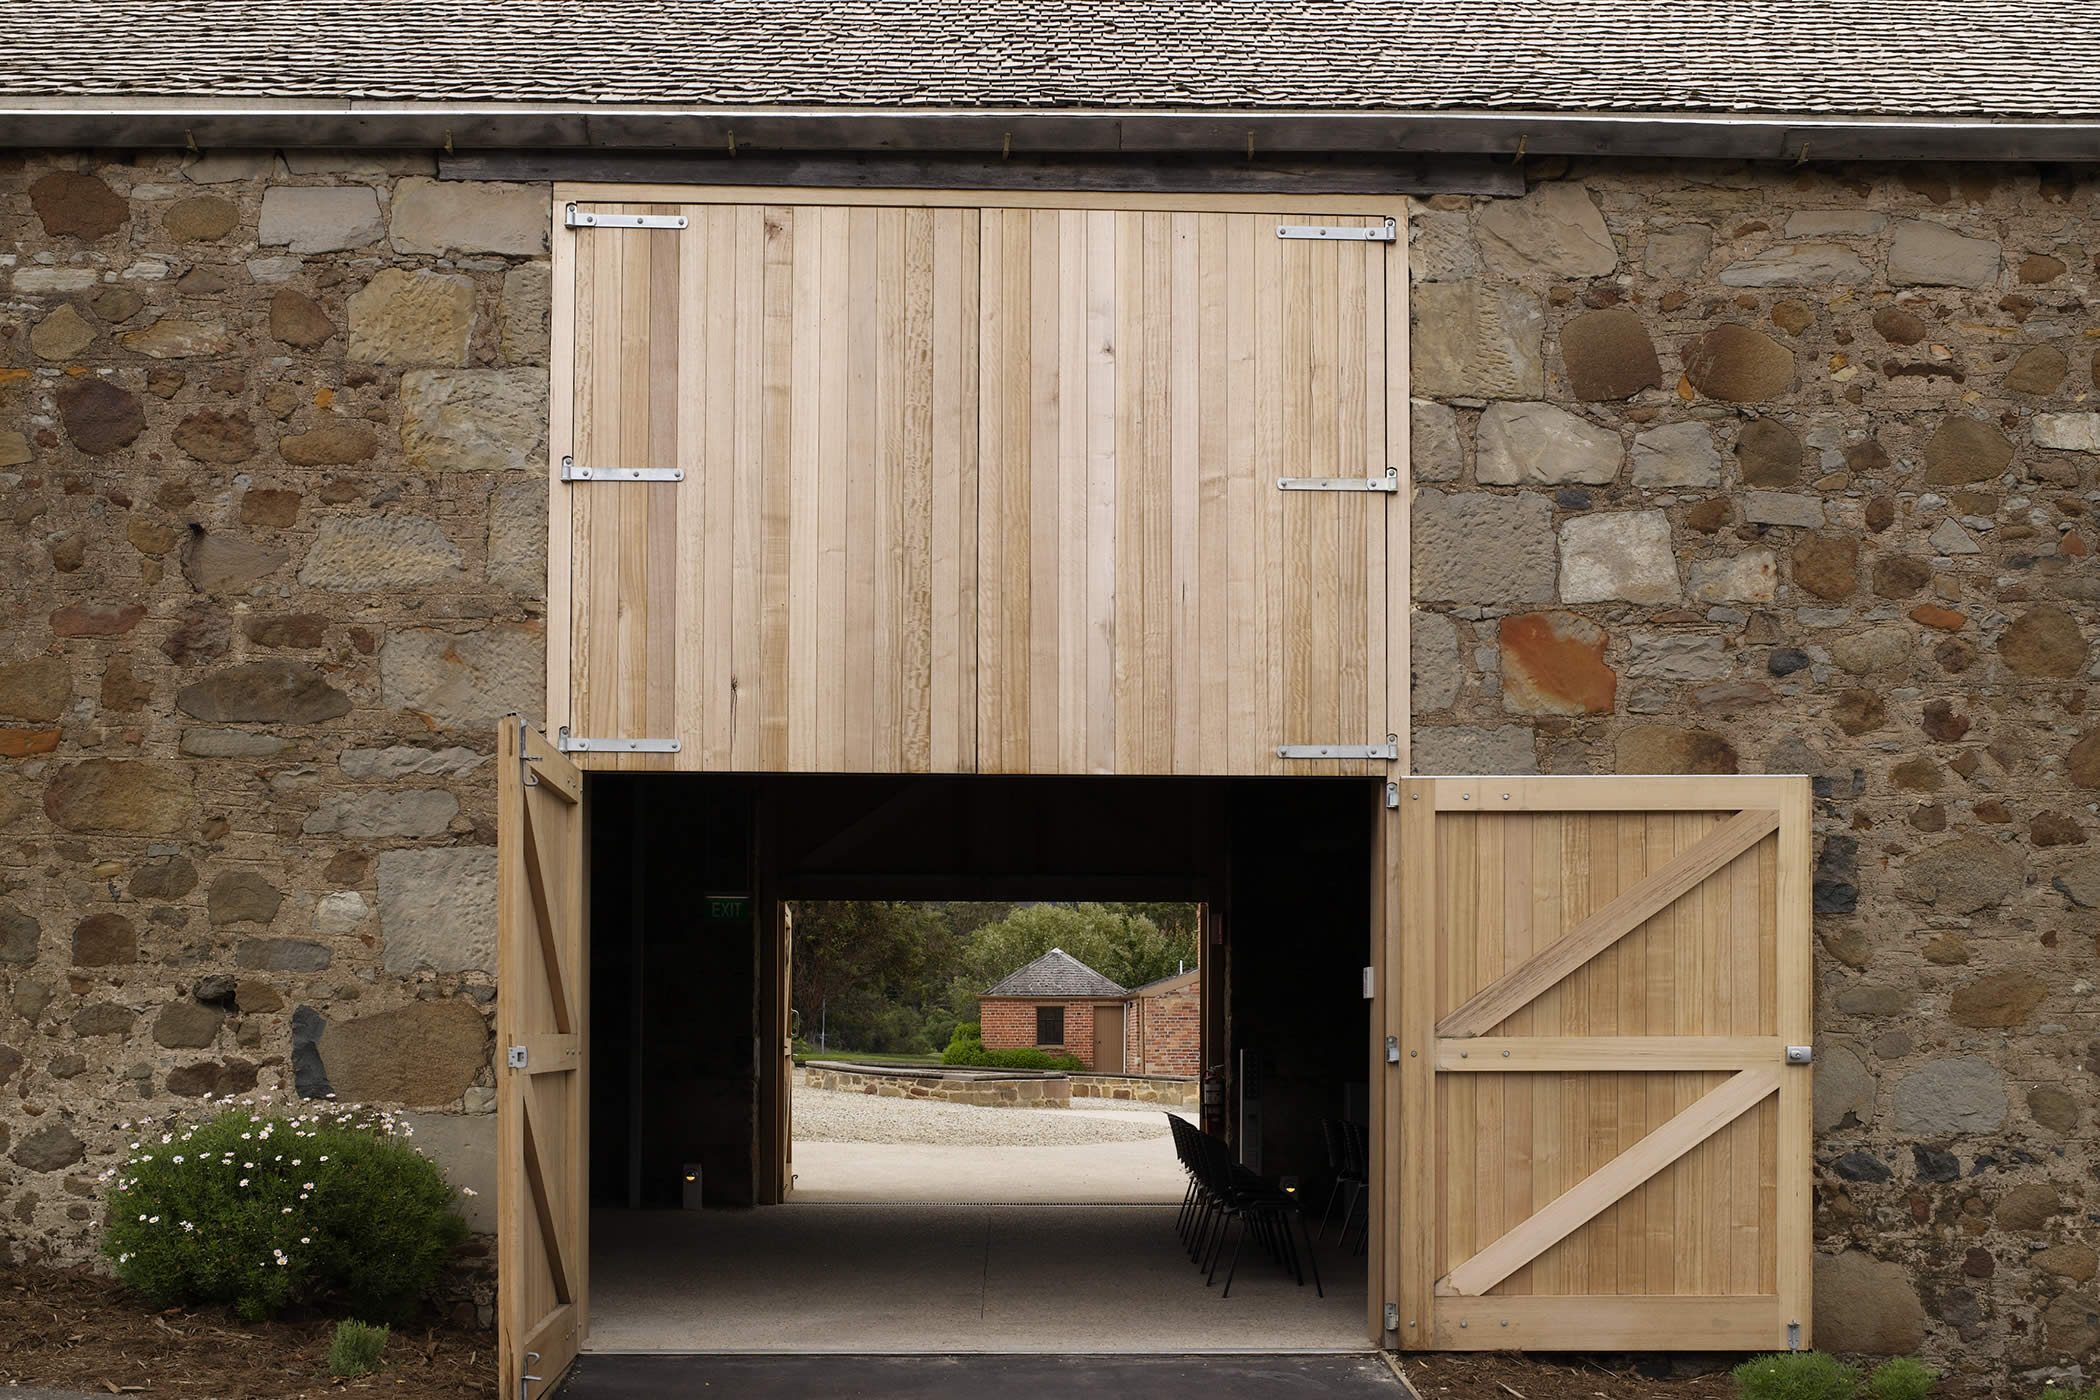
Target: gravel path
{"x":826,"y":1115}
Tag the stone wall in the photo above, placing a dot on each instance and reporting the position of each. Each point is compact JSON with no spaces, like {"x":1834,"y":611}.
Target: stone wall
{"x":272,"y":449}
{"x":981,"y":1089}
{"x":1793,"y":470}
{"x":1169,"y":1090}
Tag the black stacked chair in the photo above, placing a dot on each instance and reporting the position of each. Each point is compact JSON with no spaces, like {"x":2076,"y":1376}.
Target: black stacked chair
{"x":1222,"y":1193}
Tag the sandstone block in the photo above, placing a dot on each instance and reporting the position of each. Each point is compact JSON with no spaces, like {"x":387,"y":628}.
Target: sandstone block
{"x":468,"y":216}
{"x":1433,"y":450}
{"x":420,"y":812}
{"x":1476,"y":341}
{"x":295,"y":631}
{"x":2044,"y":641}
{"x":437,"y":909}
{"x":297,"y":319}
{"x":1768,"y":453}
{"x":1662,"y":748}
{"x":1874,"y":650}
{"x":517,"y":539}
{"x":219,"y":438}
{"x":61,"y":335}
{"x":1965,"y":876}
{"x":1960,"y":1094}
{"x":264,"y":692}
{"x":1440,"y":247}
{"x":1782,"y":508}
{"x":1965,"y":450}
{"x":1864,"y":1304}
{"x":227,"y":564}
{"x":1797,"y":265}
{"x":99,"y":417}
{"x":528,"y":300}
{"x":1676,"y":454}
{"x":1834,"y":223}
{"x":132,"y":797}
{"x":408,"y":761}
{"x":465,"y":680}
{"x":82,"y":206}
{"x":1530,"y":444}
{"x":282,"y":955}
{"x":320,"y":218}
{"x":168,"y":877}
{"x":230,"y":743}
{"x":1678,"y":656}
{"x":474,"y":419}
{"x":103,"y":1018}
{"x":1609,"y":355}
{"x":48,"y":1150}
{"x":38,"y":689}
{"x":2039,"y":370}
{"x":1739,"y":365}
{"x":2001,"y":999}
{"x":1553,"y":233}
{"x":412,"y":318}
{"x":185,"y":1025}
{"x":200,"y":219}
{"x":1949,"y":538}
{"x":1472,"y":749}
{"x":464,"y":1147}
{"x":2065,"y":432}
{"x":175,"y":339}
{"x":242,"y":897}
{"x":1678,"y":252}
{"x":1749,"y":577}
{"x":1552,"y":663}
{"x":426,"y":1055}
{"x":376,"y":553}
{"x":1433,"y":660}
{"x":1843,"y":1088}
{"x":1827,"y":566}
{"x":1483,"y":550}
{"x":342,"y":912}
{"x":105,"y":940}
{"x":1622,"y":555}
{"x":1926,"y":254}
{"x":21,"y":936}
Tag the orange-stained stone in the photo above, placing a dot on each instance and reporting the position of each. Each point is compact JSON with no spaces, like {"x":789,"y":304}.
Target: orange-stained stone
{"x":1946,"y":619}
{"x":21,"y":743}
{"x":2073,"y":544}
{"x":1553,"y":664}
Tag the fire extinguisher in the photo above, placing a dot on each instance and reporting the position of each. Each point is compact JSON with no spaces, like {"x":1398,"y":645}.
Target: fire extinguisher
{"x":1214,"y":1100}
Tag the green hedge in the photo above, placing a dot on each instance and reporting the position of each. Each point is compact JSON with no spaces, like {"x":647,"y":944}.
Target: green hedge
{"x":972,"y":1054}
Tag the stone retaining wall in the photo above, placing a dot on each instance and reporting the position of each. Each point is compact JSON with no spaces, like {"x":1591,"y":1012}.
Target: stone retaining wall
{"x":1051,"y":1091}
{"x":1172,"y":1093}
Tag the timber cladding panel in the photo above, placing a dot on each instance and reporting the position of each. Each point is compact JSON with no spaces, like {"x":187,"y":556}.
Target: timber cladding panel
{"x":1606,"y":975}
{"x":978,"y":488}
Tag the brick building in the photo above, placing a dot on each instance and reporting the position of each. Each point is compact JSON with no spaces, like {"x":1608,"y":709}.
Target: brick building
{"x":1163,"y":1026}
{"x":1056,"y":1003}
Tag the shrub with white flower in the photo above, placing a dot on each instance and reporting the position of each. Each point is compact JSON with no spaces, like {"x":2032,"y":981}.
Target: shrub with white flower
{"x":370,"y":1223}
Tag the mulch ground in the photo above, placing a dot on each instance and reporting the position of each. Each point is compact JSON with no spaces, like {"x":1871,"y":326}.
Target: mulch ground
{"x":70,"y":1330}
{"x":1487,"y":1376}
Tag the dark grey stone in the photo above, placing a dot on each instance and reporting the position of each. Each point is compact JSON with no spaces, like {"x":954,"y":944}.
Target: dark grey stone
{"x":309,"y":1075}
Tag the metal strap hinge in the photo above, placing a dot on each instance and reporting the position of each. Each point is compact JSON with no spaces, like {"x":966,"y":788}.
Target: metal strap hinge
{"x":569,"y":743}
{"x":1390,"y":749}
{"x":1387,"y":232}
{"x":583,"y":218}
{"x":1392,"y":1317}
{"x":516,"y":1058}
{"x":571,"y":472}
{"x":1390,"y":482}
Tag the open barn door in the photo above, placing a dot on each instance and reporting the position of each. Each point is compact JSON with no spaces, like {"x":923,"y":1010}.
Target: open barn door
{"x":542,"y":1245}
{"x":1602,"y":993}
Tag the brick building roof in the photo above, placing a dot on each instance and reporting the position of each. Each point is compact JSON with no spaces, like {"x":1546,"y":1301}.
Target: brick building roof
{"x":2033,"y":59}
{"x":1055,"y":974}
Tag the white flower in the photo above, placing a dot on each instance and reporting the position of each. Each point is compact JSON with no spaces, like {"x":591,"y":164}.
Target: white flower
{"x":142,"y":1219}
{"x":244,"y":1181}
{"x":468,"y":1190}
{"x":306,"y":1186}
{"x":178,"y":1159}
{"x":286,"y":1211}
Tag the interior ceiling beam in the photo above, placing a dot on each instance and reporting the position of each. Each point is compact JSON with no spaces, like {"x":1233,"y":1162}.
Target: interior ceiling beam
{"x":1260,"y":135}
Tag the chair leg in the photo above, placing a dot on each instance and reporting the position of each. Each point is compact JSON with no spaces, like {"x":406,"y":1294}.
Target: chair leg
{"x":1311,"y":1259}
{"x":1233,"y":1267}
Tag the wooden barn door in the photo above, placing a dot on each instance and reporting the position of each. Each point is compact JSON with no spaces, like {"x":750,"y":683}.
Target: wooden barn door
{"x":799,"y":598}
{"x":543,"y":1244}
{"x":1152,"y":599}
{"x":1603,"y":1139}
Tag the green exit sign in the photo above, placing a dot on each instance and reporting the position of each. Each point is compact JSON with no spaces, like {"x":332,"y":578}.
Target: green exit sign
{"x":728,"y":908}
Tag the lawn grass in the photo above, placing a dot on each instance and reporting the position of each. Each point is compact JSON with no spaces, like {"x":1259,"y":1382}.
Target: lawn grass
{"x":924,"y":1057}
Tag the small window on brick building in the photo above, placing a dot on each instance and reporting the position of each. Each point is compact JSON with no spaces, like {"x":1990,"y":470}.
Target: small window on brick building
{"x":1049,"y":1025}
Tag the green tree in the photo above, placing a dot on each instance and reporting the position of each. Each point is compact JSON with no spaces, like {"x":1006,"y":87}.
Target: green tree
{"x":1126,"y":947}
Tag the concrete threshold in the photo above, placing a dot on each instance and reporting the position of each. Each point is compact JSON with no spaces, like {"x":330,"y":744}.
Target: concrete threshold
{"x":1310,"y":1376}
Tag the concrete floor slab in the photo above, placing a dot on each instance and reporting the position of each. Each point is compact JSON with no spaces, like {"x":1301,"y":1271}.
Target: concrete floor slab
{"x":915,"y":1278}
{"x":1100,"y":1172}
{"x":1299,"y":1377}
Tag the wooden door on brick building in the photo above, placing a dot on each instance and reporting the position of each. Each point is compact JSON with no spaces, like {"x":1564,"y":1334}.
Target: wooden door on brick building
{"x":957,"y":483}
{"x":1599,"y":993}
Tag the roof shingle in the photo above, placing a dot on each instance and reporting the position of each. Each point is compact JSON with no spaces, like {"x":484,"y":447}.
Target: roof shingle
{"x":1055,"y":974}
{"x":1889,"y":58}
